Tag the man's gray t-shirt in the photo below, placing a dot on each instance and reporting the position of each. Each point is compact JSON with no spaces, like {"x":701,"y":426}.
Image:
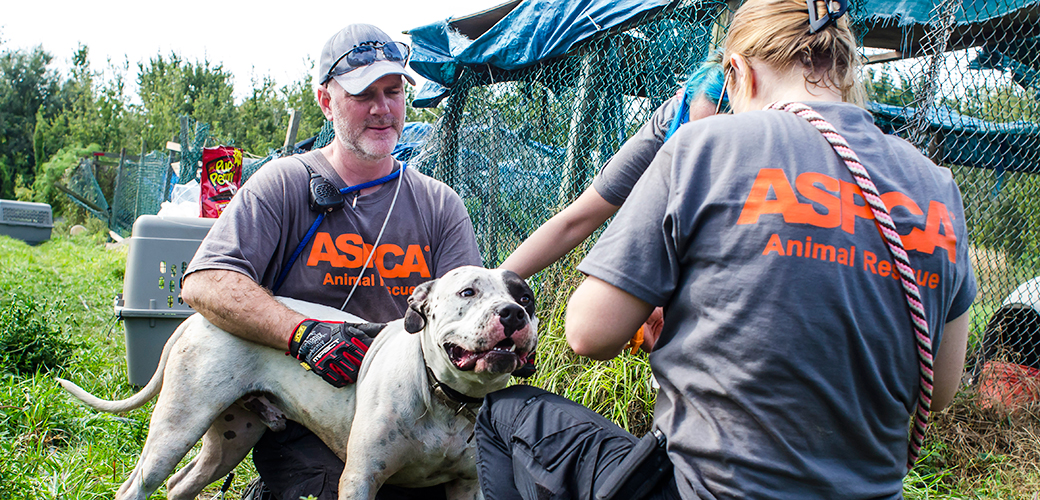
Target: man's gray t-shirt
{"x":615,"y":180}
{"x":429,"y":233}
{"x":787,"y":363}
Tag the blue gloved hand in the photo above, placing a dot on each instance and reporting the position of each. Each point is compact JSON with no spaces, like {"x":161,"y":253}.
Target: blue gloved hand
{"x":333,"y":349}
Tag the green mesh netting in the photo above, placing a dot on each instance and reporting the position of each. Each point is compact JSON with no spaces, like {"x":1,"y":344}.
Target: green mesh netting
{"x":82,"y":187}
{"x":325,"y":136}
{"x":143,"y":184}
{"x":193,"y":139}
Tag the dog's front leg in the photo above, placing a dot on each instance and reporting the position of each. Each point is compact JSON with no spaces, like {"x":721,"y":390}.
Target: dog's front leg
{"x":370,"y":462}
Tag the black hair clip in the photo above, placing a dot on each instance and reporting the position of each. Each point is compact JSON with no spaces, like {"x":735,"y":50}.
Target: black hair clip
{"x":817,"y":23}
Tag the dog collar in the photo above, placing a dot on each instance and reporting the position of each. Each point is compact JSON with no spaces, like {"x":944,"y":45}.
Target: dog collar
{"x":450,"y":396}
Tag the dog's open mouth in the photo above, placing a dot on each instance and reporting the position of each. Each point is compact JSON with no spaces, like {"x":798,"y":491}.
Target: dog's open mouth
{"x":501,"y":358}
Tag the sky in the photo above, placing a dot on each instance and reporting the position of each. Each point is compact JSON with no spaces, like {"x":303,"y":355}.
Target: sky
{"x":249,"y":38}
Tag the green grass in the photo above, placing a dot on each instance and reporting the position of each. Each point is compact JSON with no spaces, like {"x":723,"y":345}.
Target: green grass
{"x":51,"y":447}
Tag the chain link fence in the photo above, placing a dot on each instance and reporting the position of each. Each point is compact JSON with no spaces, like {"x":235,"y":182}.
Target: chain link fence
{"x":520,"y":145}
{"x":969,"y":100}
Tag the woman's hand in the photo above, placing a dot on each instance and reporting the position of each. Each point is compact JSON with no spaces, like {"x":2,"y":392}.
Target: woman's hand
{"x":652,"y":329}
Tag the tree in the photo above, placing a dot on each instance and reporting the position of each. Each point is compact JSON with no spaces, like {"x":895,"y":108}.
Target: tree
{"x":299,"y":95}
{"x":171,"y":88}
{"x":262,"y":117}
{"x":27,"y":88}
{"x":883,"y":88}
{"x":92,"y":111}
{"x":413,"y":114}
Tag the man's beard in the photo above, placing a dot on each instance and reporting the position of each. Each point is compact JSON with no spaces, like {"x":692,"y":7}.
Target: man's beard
{"x":353,"y":141}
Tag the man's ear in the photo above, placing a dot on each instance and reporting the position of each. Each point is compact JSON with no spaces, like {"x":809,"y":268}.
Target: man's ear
{"x":415,"y":316}
{"x":324,"y":98}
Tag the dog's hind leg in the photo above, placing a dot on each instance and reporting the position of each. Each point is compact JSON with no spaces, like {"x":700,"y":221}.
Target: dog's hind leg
{"x":178,"y":421}
{"x":167,"y":443}
{"x":224,"y":445}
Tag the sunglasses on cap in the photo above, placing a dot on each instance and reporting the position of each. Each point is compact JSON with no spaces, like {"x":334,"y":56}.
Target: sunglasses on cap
{"x":363,"y":55}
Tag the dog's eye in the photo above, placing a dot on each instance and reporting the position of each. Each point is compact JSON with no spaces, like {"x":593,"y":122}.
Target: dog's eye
{"x":467,"y":292}
{"x":524,"y":300}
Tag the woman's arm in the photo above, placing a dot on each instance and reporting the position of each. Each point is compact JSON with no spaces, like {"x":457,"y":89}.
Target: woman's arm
{"x":948,"y":364}
{"x":602,"y":317}
{"x":560,"y":234}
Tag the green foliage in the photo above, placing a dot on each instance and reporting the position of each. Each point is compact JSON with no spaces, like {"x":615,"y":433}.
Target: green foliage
{"x":1005,"y":207}
{"x":51,"y":446}
{"x":27,"y":88}
{"x":30,"y":342}
{"x":172,"y":87}
{"x":884,"y":88}
{"x":44,"y":188}
{"x":93,"y":110}
{"x":412,"y":114}
{"x":300,"y":96}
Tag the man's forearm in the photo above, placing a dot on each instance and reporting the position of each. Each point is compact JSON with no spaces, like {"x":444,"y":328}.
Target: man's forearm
{"x":235,"y":303}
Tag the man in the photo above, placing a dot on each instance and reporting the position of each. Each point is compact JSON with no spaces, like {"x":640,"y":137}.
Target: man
{"x":365,"y":256}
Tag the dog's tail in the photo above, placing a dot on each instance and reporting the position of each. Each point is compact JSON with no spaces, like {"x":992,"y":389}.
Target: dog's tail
{"x":137,"y":400}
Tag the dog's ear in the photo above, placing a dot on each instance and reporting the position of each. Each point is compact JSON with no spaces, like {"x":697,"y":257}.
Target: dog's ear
{"x":415,"y":316}
{"x":520,"y":291}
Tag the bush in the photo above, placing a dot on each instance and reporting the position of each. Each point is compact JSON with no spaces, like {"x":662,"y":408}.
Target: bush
{"x":28,"y":344}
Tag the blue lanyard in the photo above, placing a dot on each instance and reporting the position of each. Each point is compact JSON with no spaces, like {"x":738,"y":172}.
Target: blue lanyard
{"x":317,"y":222}
{"x":681,"y":116}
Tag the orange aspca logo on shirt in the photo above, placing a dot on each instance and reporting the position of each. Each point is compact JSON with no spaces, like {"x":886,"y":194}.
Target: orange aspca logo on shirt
{"x":838,"y":198}
{"x":349,"y":251}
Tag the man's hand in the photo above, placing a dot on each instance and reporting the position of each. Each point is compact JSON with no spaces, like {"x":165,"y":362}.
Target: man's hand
{"x":333,"y":349}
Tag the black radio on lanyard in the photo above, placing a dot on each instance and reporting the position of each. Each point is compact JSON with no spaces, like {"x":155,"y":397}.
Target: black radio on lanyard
{"x":324,"y":198}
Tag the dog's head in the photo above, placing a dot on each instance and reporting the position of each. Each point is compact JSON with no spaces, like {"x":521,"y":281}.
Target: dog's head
{"x":475,"y":321}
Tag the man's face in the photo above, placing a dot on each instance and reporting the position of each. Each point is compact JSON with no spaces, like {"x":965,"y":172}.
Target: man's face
{"x":369,"y":124}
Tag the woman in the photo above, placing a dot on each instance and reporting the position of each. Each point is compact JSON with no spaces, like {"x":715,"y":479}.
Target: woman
{"x":787,"y":363}
{"x":699,"y":98}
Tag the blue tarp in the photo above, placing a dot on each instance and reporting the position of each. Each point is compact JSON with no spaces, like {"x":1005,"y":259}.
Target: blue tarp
{"x":535,"y":30}
{"x":413,"y":137}
{"x":907,"y":12}
{"x":964,"y":140}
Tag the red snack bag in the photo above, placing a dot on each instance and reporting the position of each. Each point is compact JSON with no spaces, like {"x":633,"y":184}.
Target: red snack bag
{"x":221,"y":177}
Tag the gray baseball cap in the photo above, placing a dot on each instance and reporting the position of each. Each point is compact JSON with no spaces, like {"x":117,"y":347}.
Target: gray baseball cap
{"x":378,"y":56}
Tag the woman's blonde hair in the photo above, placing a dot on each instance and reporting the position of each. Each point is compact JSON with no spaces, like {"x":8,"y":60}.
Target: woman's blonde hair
{"x":777,"y":33}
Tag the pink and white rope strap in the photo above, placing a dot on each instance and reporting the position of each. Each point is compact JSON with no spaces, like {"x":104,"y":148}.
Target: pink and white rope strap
{"x":895,"y":246}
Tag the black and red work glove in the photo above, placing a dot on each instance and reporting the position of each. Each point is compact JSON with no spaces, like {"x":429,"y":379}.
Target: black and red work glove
{"x":333,"y":349}
{"x":528,"y":369}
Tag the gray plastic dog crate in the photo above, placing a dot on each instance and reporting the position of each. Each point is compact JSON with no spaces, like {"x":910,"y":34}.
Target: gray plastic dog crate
{"x":151,"y":306}
{"x":26,"y":221}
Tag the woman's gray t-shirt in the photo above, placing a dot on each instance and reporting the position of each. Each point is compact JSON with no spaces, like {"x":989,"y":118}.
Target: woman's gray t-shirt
{"x":787,"y":363}
{"x":615,"y":180}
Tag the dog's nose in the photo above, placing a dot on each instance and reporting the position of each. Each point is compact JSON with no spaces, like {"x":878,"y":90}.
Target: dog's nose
{"x":513,"y":318}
